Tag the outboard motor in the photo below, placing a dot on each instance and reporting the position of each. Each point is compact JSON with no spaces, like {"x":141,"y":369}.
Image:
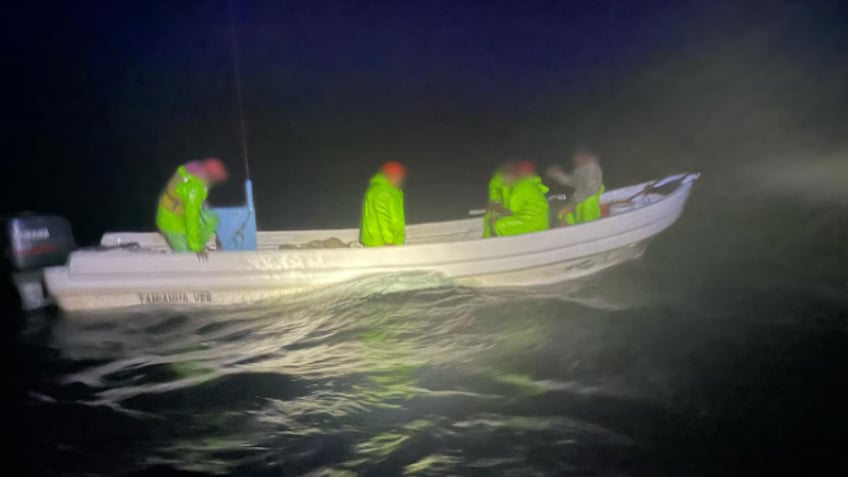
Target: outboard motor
{"x":31,"y":243}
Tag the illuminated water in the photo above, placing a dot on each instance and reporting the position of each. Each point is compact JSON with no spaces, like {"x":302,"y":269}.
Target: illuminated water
{"x":715,"y":353}
{"x":721,"y":352}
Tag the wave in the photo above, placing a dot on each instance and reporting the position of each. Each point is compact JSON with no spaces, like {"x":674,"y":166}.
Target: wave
{"x":384,"y":374}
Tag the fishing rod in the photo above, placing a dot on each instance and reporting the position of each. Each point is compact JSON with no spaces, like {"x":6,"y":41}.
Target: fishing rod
{"x":237,"y":225}
{"x":659,"y":186}
{"x":239,"y":98}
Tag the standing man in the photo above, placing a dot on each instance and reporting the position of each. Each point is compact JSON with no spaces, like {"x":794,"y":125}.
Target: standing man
{"x":383,"y":221}
{"x":584,"y":204}
{"x":500,"y":187}
{"x":527,"y":204}
{"x":182,"y":216}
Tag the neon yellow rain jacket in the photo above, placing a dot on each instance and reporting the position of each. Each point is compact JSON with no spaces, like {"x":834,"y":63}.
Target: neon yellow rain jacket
{"x":586,"y":211}
{"x":180,"y":209}
{"x":529,"y":208}
{"x":383,"y":220}
{"x":499,"y":193}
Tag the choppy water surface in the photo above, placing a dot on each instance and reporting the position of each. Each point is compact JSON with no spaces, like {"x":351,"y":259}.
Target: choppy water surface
{"x":692,"y":360}
{"x":722,"y":351}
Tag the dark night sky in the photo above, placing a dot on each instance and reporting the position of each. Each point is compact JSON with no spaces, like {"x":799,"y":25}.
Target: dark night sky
{"x":108,"y":97}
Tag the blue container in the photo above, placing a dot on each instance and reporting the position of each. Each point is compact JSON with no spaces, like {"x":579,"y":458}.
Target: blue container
{"x":237,"y":225}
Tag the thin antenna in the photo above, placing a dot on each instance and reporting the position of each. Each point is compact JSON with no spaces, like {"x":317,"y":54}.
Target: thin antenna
{"x":237,"y":73}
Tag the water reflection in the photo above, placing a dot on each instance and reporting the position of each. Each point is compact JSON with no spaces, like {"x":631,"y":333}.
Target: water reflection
{"x":354,"y":381}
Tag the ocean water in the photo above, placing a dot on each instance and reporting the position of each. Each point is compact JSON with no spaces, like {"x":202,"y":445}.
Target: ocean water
{"x":722,"y":351}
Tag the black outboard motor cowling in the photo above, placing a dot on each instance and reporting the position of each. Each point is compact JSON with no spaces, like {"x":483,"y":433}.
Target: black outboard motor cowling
{"x":37,"y":241}
{"x":30,"y":243}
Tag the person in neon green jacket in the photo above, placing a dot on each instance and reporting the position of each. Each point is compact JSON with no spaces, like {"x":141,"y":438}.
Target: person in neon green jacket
{"x":586,"y":211}
{"x":500,"y":187}
{"x":182,"y":216}
{"x":527,"y":202}
{"x":383,"y":221}
{"x":587,"y":180}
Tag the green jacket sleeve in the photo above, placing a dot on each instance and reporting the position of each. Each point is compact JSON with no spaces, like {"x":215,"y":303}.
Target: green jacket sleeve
{"x":496,"y":185}
{"x":193,"y":204}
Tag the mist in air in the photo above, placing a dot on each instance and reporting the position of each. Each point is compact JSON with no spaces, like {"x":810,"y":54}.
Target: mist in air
{"x":714,"y":354}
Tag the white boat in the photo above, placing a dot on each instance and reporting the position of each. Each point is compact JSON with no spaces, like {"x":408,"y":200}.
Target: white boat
{"x":151,"y":275}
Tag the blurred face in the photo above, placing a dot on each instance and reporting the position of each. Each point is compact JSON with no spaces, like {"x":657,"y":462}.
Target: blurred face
{"x":396,"y":180}
{"x":214,"y":171}
{"x":525,"y":169}
{"x":510,"y":173}
{"x":208,"y":179}
{"x":581,"y":159}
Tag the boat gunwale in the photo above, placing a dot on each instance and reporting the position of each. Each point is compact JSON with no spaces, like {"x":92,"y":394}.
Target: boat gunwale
{"x":433,"y":260}
{"x":682,"y":189}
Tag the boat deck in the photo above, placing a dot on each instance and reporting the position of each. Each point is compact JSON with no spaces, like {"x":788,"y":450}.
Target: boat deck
{"x":425,"y":233}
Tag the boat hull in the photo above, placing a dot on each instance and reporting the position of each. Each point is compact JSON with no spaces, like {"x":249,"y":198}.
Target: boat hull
{"x":154,"y":277}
